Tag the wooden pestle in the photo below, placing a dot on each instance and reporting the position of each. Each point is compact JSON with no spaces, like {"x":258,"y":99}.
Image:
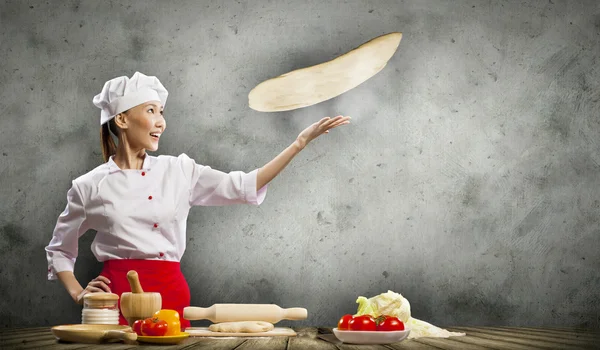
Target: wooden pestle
{"x":134,"y":282}
{"x":137,"y":304}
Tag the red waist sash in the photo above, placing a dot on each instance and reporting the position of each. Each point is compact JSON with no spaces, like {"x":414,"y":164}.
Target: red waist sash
{"x":164,"y":277}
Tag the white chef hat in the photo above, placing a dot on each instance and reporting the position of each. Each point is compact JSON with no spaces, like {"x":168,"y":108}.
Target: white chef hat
{"x":122,"y":93}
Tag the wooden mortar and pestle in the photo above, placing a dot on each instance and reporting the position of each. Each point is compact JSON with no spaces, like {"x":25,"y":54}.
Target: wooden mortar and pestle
{"x":137,"y":304}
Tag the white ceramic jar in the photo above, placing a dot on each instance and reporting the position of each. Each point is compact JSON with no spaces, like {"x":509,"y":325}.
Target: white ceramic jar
{"x":100,"y":308}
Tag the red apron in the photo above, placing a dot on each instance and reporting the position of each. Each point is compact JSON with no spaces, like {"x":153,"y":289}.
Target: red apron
{"x":164,"y":277}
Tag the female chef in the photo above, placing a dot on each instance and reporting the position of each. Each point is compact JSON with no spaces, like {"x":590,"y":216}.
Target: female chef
{"x":139,"y":204}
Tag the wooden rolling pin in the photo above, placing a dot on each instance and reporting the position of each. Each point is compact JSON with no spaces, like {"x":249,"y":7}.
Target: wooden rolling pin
{"x":244,"y":312}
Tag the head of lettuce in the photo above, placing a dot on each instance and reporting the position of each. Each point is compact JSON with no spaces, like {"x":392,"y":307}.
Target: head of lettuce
{"x":394,"y":304}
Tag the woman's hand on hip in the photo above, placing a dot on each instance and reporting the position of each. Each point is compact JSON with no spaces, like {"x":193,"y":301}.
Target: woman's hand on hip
{"x":321,"y":127}
{"x":98,"y":284}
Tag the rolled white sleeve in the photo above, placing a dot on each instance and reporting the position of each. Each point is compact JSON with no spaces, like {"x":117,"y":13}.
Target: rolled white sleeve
{"x":253,"y":196}
{"x":61,"y":253}
{"x":210,"y":187}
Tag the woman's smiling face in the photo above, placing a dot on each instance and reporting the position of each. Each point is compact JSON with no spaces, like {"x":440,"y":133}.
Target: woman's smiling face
{"x":143,"y":125}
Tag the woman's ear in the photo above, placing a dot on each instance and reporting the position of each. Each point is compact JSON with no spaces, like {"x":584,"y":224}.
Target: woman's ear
{"x":121,"y":120}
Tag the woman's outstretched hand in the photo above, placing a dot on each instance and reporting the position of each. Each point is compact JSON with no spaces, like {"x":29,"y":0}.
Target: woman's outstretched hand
{"x":317,"y":129}
{"x":272,"y":168}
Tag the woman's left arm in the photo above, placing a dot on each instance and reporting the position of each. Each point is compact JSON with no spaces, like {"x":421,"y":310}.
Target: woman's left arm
{"x":270,"y":170}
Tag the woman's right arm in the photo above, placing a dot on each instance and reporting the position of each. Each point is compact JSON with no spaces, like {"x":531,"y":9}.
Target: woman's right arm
{"x":63,"y":248}
{"x":68,"y":280}
{"x":76,"y":291}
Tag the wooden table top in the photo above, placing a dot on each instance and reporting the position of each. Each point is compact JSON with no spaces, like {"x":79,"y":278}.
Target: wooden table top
{"x":510,"y":338}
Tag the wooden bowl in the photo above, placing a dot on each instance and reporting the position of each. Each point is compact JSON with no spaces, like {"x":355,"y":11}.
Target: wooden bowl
{"x":137,"y":304}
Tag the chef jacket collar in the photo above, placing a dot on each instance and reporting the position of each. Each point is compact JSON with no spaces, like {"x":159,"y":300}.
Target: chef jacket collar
{"x":113,"y":167}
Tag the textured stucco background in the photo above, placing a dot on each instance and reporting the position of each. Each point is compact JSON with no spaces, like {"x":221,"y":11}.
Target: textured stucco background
{"x":467,"y":181}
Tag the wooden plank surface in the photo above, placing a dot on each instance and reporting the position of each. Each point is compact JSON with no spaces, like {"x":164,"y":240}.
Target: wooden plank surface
{"x":565,"y":338}
{"x":25,"y":336}
{"x":411,"y":344}
{"x":7,"y":331}
{"x":209,"y":343}
{"x":450,"y":344}
{"x":502,"y":338}
{"x":307,"y":339}
{"x":551,"y":332}
{"x":271,"y":343}
{"x":534,"y":341}
{"x":490,"y":343}
{"x":569,"y":338}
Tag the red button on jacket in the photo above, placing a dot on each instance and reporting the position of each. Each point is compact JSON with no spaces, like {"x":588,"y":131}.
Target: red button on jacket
{"x":150,"y":197}
{"x":155,"y":225}
{"x":143,"y":173}
{"x":161,"y":254}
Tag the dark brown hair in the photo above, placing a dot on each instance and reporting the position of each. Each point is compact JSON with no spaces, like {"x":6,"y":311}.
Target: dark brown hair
{"x":109,"y":147}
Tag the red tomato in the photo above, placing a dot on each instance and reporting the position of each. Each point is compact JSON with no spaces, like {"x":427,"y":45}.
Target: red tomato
{"x":343,"y":322}
{"x":137,"y":327}
{"x":362,"y":323}
{"x":390,"y":323}
{"x":154,"y":327}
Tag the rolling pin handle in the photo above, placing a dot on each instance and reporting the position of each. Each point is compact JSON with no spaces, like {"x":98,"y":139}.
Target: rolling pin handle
{"x":196,"y":313}
{"x":295,"y":313}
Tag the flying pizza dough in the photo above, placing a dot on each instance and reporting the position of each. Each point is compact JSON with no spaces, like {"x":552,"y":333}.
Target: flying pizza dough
{"x":308,"y":86}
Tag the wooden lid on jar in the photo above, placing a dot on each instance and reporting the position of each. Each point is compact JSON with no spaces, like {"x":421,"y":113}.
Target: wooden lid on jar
{"x":100,"y":300}
{"x":101,"y":296}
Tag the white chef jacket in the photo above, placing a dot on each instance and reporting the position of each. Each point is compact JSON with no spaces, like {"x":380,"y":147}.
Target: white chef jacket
{"x":142,"y":214}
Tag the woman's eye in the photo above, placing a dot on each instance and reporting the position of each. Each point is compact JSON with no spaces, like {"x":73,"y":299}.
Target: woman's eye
{"x":151,"y":110}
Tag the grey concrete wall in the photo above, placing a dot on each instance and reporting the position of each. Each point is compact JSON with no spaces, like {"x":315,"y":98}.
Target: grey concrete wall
{"x":468,"y":180}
